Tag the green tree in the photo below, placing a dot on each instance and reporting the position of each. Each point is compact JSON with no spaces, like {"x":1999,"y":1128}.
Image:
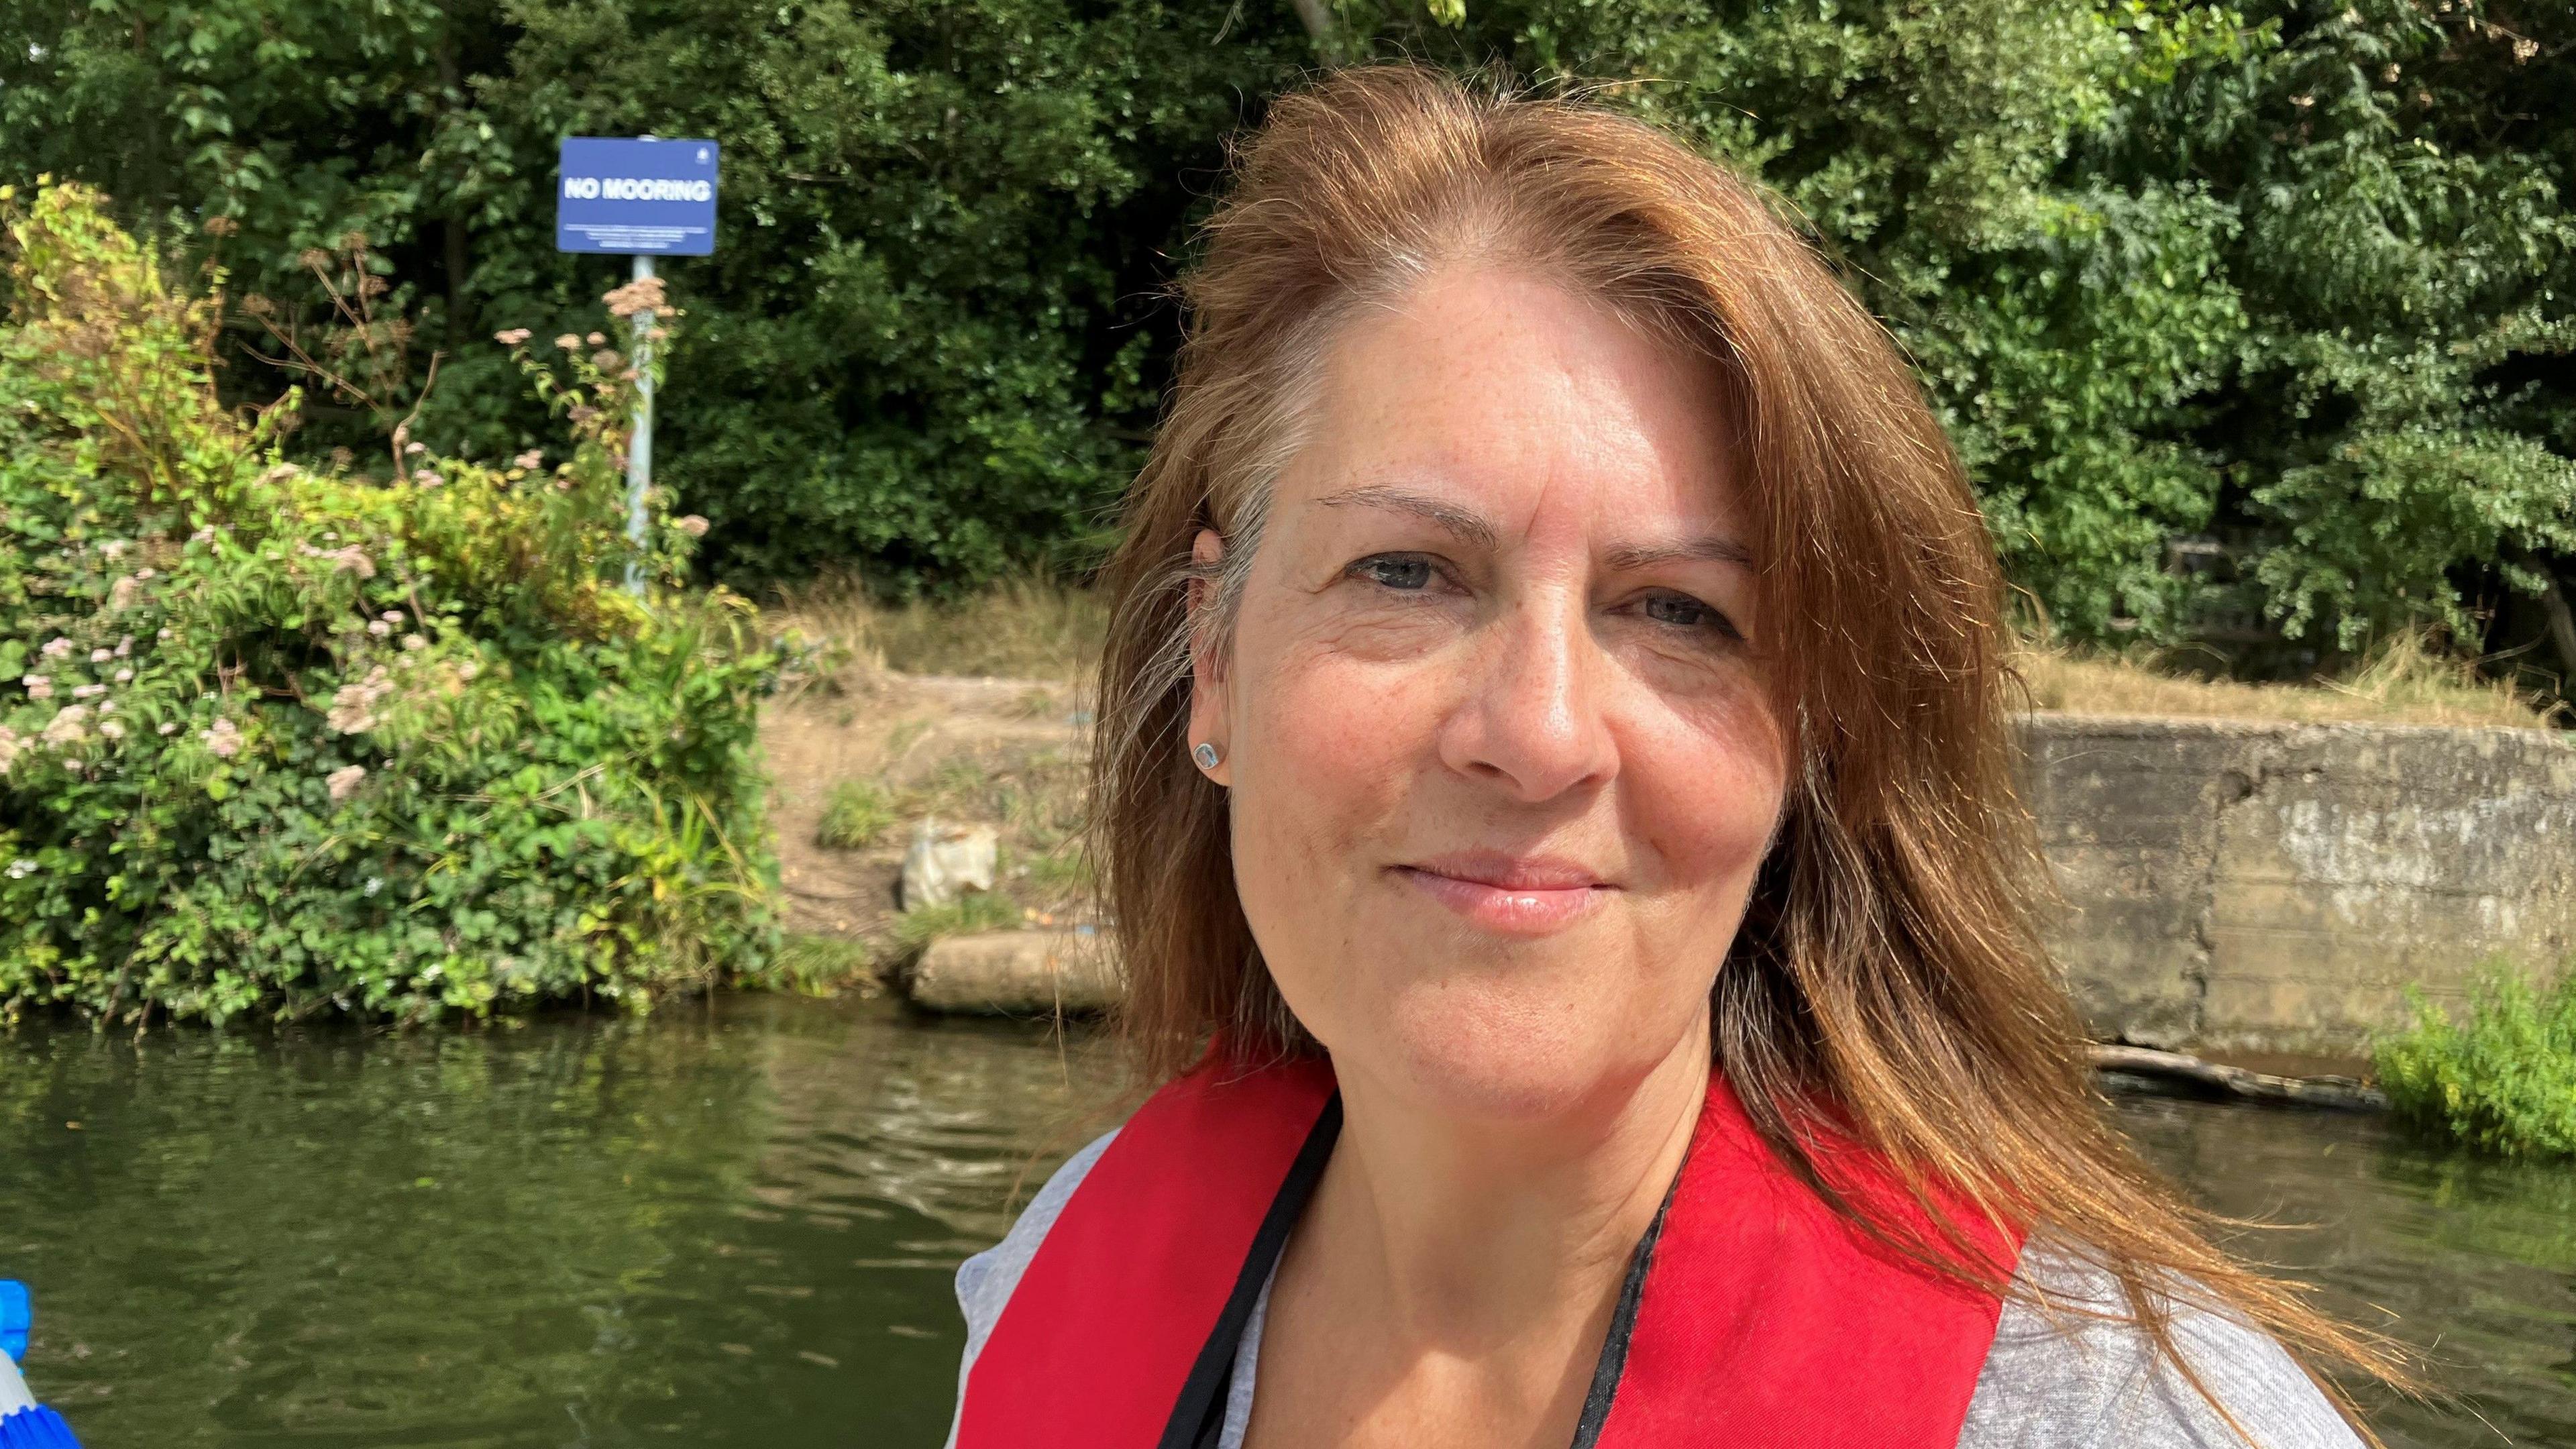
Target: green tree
{"x":2293,"y":274}
{"x":928,"y":342}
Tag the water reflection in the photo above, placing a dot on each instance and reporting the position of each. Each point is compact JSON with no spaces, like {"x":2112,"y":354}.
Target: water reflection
{"x":737,"y":1228}
{"x":2470,"y":1258}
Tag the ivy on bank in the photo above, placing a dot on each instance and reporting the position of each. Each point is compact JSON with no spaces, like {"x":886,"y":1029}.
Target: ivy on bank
{"x":279,"y":740}
{"x":2503,"y":1079}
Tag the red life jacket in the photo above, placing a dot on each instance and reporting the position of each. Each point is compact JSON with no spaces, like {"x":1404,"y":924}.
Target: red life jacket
{"x":1763,"y":1318}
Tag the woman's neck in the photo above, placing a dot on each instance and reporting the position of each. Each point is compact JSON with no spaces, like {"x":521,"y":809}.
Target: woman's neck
{"x":1485,"y":1233}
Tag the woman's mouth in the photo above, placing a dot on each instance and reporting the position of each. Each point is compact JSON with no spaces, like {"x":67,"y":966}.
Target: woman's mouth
{"x":1512,"y":895}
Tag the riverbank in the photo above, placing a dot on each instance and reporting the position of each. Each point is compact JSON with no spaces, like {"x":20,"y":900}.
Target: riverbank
{"x":2253,"y":886}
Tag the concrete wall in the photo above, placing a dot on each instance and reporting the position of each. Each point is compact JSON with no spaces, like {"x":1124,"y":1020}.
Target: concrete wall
{"x":2255,"y":886}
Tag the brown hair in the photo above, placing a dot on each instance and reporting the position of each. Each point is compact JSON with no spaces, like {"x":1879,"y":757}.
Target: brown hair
{"x":1887,"y":965}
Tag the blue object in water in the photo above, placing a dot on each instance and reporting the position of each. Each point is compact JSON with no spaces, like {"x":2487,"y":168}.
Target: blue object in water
{"x":36,"y":1428}
{"x":24,"y":1423}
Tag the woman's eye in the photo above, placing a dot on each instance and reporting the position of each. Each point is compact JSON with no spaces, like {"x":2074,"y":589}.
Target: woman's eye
{"x":1685,"y":612}
{"x":1395,"y":570}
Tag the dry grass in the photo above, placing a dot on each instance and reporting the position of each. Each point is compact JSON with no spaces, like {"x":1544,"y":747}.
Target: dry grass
{"x":1022,"y":628}
{"x":2403,"y":681}
{"x":1036,"y":628}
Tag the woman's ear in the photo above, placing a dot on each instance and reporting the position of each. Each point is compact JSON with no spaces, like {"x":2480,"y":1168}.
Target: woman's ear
{"x":1208,"y":724}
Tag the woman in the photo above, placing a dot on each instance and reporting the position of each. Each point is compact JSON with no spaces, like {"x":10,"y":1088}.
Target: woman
{"x":1553,"y":790}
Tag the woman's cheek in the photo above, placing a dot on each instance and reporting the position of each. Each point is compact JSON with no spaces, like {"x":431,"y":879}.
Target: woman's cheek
{"x":1341,"y":683}
{"x":1332,"y":739}
{"x":1710,"y":815}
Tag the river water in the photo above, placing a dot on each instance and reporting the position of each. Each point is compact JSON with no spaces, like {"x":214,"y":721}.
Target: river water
{"x":735,"y":1225}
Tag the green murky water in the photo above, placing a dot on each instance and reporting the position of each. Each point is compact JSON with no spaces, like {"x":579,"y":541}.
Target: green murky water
{"x":737,"y":1227}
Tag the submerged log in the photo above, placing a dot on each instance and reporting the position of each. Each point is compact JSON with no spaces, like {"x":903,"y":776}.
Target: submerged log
{"x":2218,"y":1080}
{"x":1017,"y":973}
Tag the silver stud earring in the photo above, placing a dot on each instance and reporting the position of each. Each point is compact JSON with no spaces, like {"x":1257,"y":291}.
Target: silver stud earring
{"x":1206,"y":753}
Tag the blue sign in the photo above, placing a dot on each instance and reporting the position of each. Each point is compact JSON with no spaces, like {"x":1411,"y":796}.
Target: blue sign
{"x":636,"y":196}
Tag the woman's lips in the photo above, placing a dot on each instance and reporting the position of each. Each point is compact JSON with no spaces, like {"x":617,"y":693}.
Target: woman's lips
{"x":1514,"y":898}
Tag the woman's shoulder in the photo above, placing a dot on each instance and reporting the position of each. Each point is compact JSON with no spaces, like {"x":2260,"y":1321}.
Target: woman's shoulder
{"x":985,"y":1281}
{"x":2072,"y":1379}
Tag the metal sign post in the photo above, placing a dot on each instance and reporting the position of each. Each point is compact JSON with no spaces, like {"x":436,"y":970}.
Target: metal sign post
{"x":648,"y":197}
{"x":639,"y":444}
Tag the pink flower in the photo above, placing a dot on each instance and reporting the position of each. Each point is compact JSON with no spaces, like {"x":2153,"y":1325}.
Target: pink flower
{"x":353,"y":705}
{"x":567,"y":342}
{"x":534,"y":457}
{"x":224,"y":740}
{"x":693,"y":525}
{"x":38,"y":686}
{"x":642,"y":295}
{"x":511,"y":337}
{"x":415,"y":449}
{"x":344,"y":780}
{"x":597,"y":338}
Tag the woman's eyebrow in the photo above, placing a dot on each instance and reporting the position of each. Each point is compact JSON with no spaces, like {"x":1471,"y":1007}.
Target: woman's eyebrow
{"x":1461,"y":523}
{"x":1709,"y":548}
{"x":1469,"y":527}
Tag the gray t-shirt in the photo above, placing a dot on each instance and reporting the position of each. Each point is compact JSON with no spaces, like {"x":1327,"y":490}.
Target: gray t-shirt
{"x":2078,"y":1383}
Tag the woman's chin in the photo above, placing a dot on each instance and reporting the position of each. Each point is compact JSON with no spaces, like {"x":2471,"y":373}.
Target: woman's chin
{"x":1478,"y":1057}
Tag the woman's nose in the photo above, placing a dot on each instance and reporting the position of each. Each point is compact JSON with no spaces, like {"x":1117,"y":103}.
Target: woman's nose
{"x":1529,"y":717}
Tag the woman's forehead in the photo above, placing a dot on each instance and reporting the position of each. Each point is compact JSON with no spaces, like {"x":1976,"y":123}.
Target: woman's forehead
{"x":1506,"y":396}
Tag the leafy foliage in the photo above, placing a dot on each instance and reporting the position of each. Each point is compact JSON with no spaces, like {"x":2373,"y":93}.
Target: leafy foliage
{"x":280,"y":740}
{"x":2286,"y":280}
{"x":2289,"y":274}
{"x":926,"y":341}
{"x":2504,"y":1081}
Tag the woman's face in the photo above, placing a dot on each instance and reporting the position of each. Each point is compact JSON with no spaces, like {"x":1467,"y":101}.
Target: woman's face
{"x":1501,"y":753}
